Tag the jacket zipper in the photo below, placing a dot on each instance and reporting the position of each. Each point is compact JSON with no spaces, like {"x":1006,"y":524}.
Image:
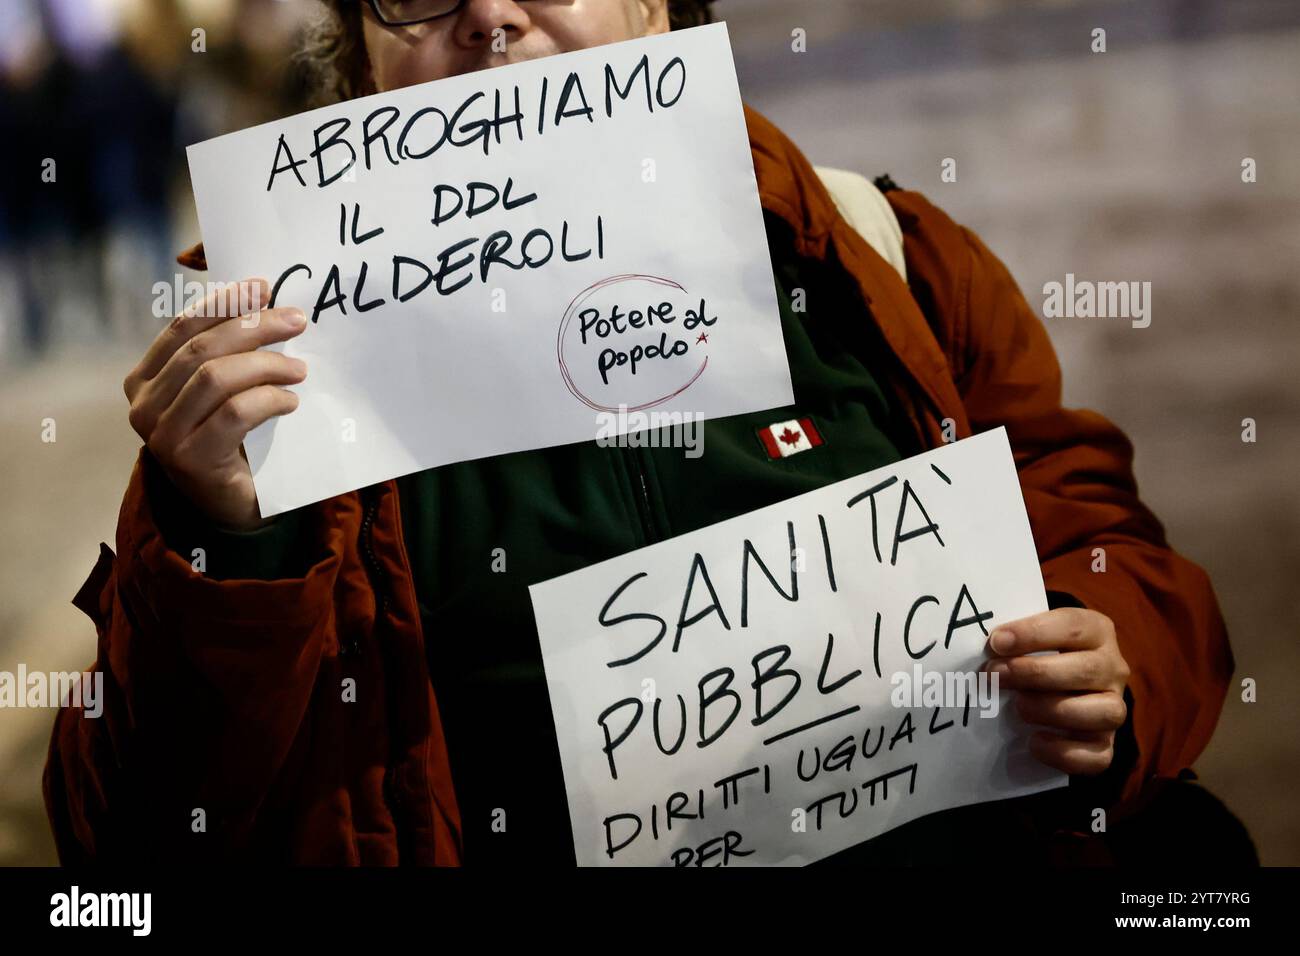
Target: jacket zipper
{"x":641,"y":493}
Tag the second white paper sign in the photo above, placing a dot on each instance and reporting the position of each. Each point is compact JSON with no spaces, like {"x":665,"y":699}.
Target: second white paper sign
{"x":730,"y":696}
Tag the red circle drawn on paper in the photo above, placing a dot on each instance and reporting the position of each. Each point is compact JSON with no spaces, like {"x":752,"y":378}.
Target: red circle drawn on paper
{"x":564,"y":327}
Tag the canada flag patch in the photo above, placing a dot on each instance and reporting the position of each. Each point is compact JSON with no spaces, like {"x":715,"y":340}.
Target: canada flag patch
{"x":789,"y":438}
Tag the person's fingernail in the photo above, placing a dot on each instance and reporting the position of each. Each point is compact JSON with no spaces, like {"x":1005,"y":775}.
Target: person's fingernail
{"x":1001,"y":668}
{"x":296,"y":317}
{"x":299,"y":366}
{"x":1001,"y":641}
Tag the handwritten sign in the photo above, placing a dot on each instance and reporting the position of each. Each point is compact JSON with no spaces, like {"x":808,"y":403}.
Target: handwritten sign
{"x":785,"y":684}
{"x":496,"y":261}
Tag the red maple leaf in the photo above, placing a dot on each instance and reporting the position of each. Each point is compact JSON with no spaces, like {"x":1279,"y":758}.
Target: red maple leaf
{"x":790,"y":436}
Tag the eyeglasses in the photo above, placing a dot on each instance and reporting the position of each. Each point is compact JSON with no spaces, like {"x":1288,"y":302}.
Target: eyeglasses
{"x":405,"y":13}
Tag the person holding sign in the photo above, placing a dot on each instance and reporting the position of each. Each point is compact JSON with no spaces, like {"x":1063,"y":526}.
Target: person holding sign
{"x":359,"y":681}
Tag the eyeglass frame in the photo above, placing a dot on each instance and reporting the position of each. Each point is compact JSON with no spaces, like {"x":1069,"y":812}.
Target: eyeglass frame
{"x":379,"y":15}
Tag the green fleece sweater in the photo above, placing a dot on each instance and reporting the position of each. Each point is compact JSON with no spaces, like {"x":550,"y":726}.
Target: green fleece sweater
{"x":479,"y":533}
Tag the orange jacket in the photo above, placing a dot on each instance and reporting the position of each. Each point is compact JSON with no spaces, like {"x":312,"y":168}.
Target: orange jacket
{"x":223,"y":698}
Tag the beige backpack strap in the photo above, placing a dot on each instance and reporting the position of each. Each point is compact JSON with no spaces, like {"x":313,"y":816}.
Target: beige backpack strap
{"x":866,"y":209}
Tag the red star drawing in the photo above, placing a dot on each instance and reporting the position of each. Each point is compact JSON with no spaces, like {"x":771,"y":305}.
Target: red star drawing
{"x":702,"y":338}
{"x":790,"y":436}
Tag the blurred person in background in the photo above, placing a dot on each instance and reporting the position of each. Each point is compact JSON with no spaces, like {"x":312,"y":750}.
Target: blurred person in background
{"x":89,"y":164}
{"x":97,"y":100}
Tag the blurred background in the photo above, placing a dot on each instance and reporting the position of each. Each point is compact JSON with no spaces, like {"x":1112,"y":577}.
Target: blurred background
{"x":1117,"y":166}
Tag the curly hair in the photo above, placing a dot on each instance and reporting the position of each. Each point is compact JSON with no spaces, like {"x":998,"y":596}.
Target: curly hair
{"x":333,"y":54}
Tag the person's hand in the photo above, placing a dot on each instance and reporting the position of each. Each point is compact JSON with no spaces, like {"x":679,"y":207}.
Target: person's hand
{"x":1077,"y":695}
{"x":204,"y":383}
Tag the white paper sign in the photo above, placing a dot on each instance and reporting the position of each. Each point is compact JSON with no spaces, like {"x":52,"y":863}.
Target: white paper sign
{"x":493,"y":261}
{"x":734,"y":696}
